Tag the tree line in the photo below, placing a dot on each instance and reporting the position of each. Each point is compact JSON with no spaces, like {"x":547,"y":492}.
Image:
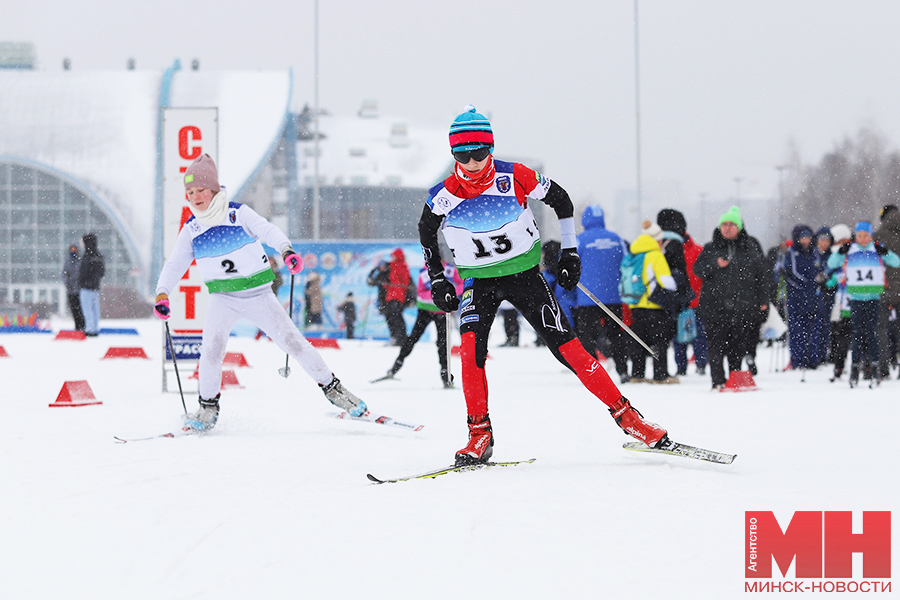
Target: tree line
{"x":850,"y":183}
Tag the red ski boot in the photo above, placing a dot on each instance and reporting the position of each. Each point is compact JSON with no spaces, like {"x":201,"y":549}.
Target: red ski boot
{"x":481,"y":442}
{"x":632,"y":422}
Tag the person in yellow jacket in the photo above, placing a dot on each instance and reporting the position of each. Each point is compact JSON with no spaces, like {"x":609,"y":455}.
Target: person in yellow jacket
{"x":652,"y":322}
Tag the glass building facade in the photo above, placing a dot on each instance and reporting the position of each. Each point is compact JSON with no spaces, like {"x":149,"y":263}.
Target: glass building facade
{"x":41,"y":214}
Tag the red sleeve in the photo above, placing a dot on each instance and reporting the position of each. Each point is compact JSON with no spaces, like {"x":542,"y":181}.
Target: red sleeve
{"x":525,"y":181}
{"x":691,"y":252}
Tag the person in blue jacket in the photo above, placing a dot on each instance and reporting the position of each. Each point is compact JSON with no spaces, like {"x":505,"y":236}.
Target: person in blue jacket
{"x":601,"y":251}
{"x":801,"y":265}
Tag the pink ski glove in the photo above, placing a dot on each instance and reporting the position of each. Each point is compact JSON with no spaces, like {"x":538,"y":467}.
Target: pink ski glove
{"x":161,"y":309}
{"x":293,"y":262}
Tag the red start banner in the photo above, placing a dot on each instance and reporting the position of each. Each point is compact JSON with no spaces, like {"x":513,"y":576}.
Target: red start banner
{"x":187,"y":133}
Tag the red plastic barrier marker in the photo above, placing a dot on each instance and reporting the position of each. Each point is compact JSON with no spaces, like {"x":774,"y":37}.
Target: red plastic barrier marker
{"x":70,"y":335}
{"x":229,"y":380}
{"x":740,"y":381}
{"x":75,"y":393}
{"x":324,"y":343}
{"x":125,"y":353}
{"x":235,"y":358}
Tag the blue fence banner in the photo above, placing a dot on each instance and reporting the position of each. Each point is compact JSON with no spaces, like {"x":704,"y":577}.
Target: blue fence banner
{"x":343,"y":268}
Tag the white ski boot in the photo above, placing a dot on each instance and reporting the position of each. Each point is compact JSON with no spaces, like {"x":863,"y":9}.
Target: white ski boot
{"x":205,"y":418}
{"x":338,"y":395}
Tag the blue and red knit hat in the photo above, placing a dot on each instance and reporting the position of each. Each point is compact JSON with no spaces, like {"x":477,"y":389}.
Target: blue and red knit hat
{"x":470,"y":130}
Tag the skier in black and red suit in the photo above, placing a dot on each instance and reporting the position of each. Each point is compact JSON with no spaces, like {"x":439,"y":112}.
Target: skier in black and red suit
{"x":483,"y":211}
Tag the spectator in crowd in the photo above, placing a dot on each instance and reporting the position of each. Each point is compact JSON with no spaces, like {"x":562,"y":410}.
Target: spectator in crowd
{"x":313,"y":297}
{"x":675,"y":235}
{"x":601,"y":252}
{"x":378,"y":278}
{"x":888,"y":234}
{"x":864,"y":263}
{"x":777,"y":291}
{"x":652,"y":321}
{"x":90,"y":273}
{"x":802,"y":267}
{"x":841,"y":325}
{"x":392,"y":279}
{"x":734,"y":294}
{"x":824,"y":242}
{"x":70,"y":278}
{"x":395,"y":296}
{"x":348,"y":309}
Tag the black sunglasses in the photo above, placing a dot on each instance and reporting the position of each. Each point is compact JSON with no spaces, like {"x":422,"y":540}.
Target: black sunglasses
{"x":479,"y":154}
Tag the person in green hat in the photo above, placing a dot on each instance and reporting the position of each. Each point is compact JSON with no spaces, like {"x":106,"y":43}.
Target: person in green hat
{"x":732,"y":216}
{"x":733,"y":299}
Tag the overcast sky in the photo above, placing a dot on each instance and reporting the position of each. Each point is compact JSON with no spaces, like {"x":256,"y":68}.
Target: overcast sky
{"x":724,"y":85}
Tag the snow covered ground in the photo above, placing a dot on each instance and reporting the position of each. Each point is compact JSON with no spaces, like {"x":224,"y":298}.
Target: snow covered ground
{"x":275,"y":502}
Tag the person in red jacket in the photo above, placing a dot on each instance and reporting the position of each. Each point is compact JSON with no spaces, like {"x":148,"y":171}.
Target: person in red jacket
{"x":395,"y":296}
{"x":672,"y":221}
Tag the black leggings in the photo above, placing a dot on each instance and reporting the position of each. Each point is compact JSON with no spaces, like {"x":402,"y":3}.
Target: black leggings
{"x":423,"y":318}
{"x":529,"y":293}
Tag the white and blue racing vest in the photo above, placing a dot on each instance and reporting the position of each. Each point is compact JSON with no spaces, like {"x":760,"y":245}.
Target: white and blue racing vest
{"x":228,"y":258}
{"x":495,"y":233}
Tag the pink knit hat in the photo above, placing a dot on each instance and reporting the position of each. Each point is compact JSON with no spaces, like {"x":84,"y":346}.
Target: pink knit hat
{"x":202,"y":173}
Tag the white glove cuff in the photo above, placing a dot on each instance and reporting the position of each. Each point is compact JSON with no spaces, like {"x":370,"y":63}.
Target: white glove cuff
{"x":567,"y":233}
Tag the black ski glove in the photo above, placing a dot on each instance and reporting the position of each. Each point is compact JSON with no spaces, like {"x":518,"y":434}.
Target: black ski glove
{"x":444,"y":294}
{"x":569,"y":269}
{"x":844,"y":249}
{"x":880,"y":249}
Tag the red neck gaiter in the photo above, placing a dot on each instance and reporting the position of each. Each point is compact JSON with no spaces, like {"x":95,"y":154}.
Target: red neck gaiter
{"x":475,"y":184}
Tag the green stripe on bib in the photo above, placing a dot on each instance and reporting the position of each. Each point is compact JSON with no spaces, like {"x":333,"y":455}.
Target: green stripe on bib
{"x":518,"y":264}
{"x":865,"y":289}
{"x":239,"y":284}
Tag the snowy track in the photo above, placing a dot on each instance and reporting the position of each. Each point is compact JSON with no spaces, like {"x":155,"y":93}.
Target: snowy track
{"x":275,"y":503}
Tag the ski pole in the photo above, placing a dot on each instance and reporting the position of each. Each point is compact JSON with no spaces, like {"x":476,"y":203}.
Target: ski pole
{"x":287,"y":370}
{"x":616,"y":319}
{"x":449,"y":345}
{"x":175,"y":363}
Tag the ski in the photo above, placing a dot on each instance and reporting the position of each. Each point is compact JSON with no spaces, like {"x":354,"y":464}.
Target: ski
{"x":450,"y":469}
{"x":676,"y":449}
{"x":385,"y":378}
{"x":378,"y":419}
{"x":172,"y":434}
